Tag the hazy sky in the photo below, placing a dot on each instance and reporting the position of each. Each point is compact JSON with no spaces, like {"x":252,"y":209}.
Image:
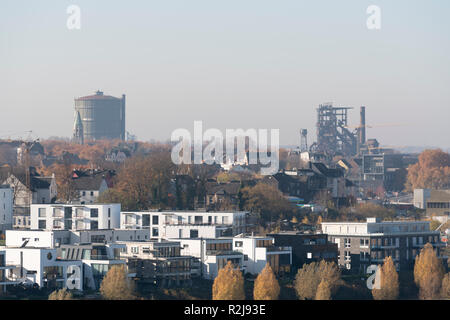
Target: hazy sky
{"x":230,"y":63}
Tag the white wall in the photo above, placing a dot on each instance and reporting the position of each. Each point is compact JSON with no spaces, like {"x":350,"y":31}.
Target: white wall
{"x":84,"y":211}
{"x":6,"y":208}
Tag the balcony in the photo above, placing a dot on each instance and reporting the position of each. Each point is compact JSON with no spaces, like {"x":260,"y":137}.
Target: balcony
{"x":278,"y":249}
{"x":222,"y":252}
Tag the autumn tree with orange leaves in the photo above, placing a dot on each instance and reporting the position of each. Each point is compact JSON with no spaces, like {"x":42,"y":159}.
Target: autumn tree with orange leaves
{"x":432,"y":171}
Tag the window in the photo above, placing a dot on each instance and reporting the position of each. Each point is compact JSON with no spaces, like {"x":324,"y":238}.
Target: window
{"x":94,"y":213}
{"x":109,"y":212}
{"x":347,"y":242}
{"x":193,"y":233}
{"x":98,"y":238}
{"x":84,"y":193}
{"x":42,"y":224}
{"x":155,"y":232}
{"x":245,"y":257}
{"x":42,"y":213}
{"x":92,"y":193}
{"x":238,"y":244}
{"x":94,"y":225}
{"x":145,"y":220}
{"x":155,"y":220}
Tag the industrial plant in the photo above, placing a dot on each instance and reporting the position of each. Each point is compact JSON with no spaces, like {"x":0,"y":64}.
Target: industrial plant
{"x":99,"y":117}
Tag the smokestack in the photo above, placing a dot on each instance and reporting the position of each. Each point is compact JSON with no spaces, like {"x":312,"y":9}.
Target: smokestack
{"x":362,"y":129}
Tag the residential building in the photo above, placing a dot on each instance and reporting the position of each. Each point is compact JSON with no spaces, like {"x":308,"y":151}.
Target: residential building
{"x":28,"y":187}
{"x":6,"y":208}
{"x":186,"y":224}
{"x":306,"y":247}
{"x":89,"y":185}
{"x":96,"y":258}
{"x":361,"y":244}
{"x":56,"y":238}
{"x":4,"y":269}
{"x":210,"y":255}
{"x":222,"y":195}
{"x":75,"y":216}
{"x":42,"y":267}
{"x":258,"y":251}
{"x":157,"y":263}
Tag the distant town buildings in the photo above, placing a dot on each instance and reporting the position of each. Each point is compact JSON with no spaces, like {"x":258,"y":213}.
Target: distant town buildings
{"x":361,"y":244}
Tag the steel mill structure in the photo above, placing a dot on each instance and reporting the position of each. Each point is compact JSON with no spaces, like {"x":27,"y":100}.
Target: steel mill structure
{"x":99,"y":117}
{"x":333,"y":132}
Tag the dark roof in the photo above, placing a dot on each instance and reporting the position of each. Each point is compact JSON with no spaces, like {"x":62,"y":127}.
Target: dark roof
{"x":36,"y":181}
{"x":231,"y":188}
{"x":88,"y":182}
{"x":323,"y":169}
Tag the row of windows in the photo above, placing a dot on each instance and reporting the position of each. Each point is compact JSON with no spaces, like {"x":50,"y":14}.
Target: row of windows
{"x":67,"y":212}
{"x":438,"y":205}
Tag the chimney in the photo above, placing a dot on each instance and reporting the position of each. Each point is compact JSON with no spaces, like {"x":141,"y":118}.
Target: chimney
{"x":362,"y":126}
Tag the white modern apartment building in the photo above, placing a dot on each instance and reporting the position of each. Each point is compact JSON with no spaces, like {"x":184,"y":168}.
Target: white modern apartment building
{"x":6,"y":208}
{"x":41,"y":266}
{"x":96,"y":260}
{"x":210,"y":255}
{"x":157,"y":262}
{"x":258,"y":251}
{"x":75,"y":216}
{"x":186,"y":224}
{"x":56,"y":238}
{"x":361,"y":244}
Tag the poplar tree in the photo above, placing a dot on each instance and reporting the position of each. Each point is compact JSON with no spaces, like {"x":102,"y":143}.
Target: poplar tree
{"x":445,"y":290}
{"x":61,"y":294}
{"x":428,"y":273}
{"x":266,"y":285}
{"x":323,"y":291}
{"x":116,"y":285}
{"x":229,"y":284}
{"x":310,"y":275}
{"x":389,"y":285}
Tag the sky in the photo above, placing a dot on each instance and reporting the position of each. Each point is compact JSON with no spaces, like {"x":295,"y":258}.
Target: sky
{"x":229,"y":63}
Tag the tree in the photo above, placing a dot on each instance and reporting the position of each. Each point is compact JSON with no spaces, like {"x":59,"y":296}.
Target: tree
{"x":266,"y":285}
{"x":64,"y":180}
{"x":61,"y":294}
{"x":445,"y":290}
{"x":229,"y":284}
{"x":428,"y":273}
{"x":434,"y":224}
{"x":266,"y":203}
{"x":143,"y":182}
{"x":116,"y":285}
{"x":310,"y":275}
{"x":389,"y":285}
{"x":431,"y":171}
{"x":323,"y":291}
